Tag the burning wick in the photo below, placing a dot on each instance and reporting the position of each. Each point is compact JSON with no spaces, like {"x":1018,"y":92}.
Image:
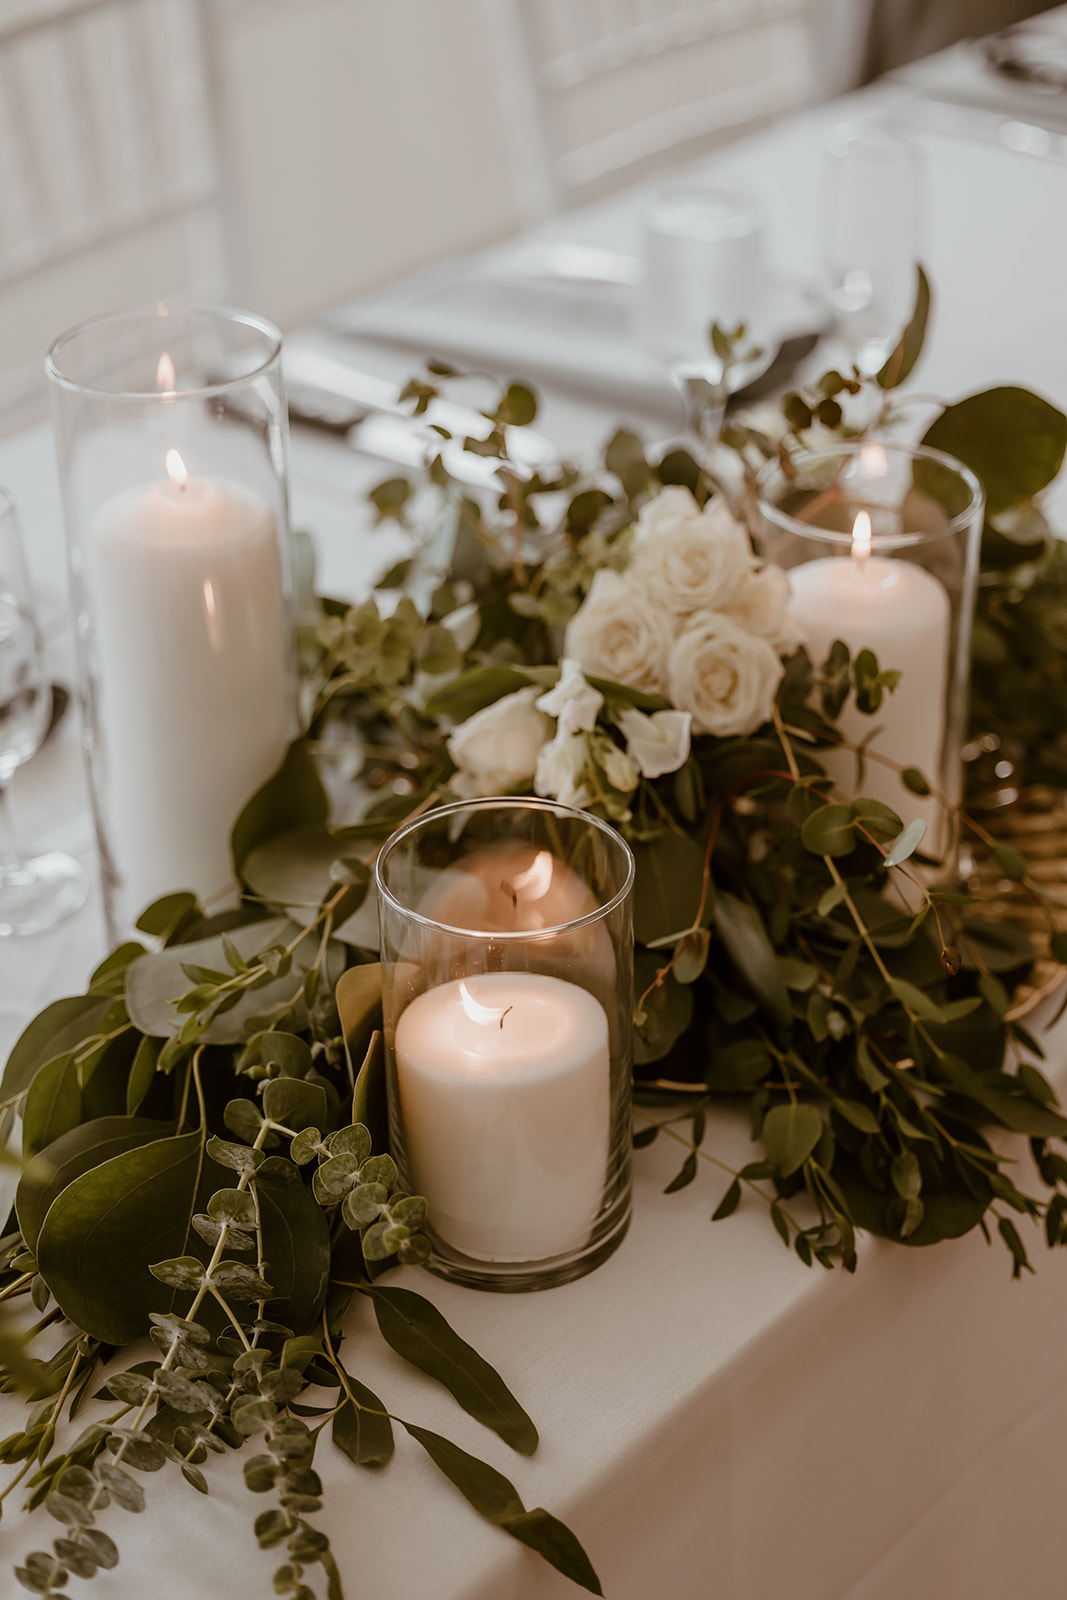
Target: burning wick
{"x":177,"y":471}
{"x":861,"y":538}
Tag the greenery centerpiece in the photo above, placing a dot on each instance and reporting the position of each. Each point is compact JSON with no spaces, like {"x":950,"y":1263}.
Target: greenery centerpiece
{"x":204,"y":1132}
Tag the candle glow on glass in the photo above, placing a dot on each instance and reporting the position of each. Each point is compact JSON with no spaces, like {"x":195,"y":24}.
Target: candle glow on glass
{"x":165,"y":374}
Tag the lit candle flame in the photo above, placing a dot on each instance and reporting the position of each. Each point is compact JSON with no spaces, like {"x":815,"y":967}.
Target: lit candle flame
{"x":537,"y":879}
{"x":165,"y":376}
{"x":861,"y":536}
{"x":486,"y":1015}
{"x":177,"y":471}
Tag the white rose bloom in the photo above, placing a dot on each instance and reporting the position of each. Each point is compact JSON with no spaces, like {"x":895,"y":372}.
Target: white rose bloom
{"x":686,"y":559}
{"x":561,"y":766}
{"x":726,"y":676}
{"x":659,"y":743}
{"x":618,"y":633}
{"x":761,"y":604}
{"x":573,"y":702}
{"x":497,"y":749}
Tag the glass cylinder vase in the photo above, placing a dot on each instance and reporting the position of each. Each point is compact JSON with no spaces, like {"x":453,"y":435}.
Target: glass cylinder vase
{"x":172,"y":439}
{"x":507,"y":974}
{"x":881,"y":543}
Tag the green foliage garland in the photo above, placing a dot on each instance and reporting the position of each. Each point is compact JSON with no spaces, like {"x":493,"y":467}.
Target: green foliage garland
{"x":206,"y":1152}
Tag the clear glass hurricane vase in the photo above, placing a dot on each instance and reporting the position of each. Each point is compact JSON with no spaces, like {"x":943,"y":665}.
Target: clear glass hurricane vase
{"x":172,"y":439}
{"x":507,"y":968}
{"x":881,"y":543}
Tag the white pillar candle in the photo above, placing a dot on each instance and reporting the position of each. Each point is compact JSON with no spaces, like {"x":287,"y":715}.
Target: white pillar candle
{"x":504,"y":1083}
{"x":193,"y":673}
{"x":902,"y":613}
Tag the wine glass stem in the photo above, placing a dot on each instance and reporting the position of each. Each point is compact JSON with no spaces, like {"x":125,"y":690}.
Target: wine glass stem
{"x":12,"y":859}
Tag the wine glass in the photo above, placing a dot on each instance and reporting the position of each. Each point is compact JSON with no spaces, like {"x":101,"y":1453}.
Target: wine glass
{"x":35,"y":892}
{"x":873,"y":205}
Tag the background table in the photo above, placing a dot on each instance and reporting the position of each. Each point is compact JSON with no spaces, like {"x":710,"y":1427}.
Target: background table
{"x":716,"y":1420}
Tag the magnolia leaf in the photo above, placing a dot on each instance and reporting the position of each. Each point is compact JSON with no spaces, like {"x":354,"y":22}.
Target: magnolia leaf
{"x":1012,"y":439}
{"x":741,"y":930}
{"x":295,"y":871}
{"x":103,"y":1233}
{"x":66,"y":1158}
{"x":292,"y":798}
{"x":667,"y":885}
{"x":363,"y":1430}
{"x":53,"y":1105}
{"x":158,"y":980}
{"x":418,"y":1332}
{"x":789,"y":1135}
{"x":496,"y":1499}
{"x":59,"y":1029}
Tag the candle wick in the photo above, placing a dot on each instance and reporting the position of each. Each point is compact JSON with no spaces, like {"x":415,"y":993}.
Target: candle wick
{"x":503,"y":1014}
{"x":508,"y":890}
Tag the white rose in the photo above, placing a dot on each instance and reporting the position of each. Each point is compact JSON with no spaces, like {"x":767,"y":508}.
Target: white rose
{"x":726,"y":676}
{"x":620,"y":634}
{"x":561,"y":766}
{"x":659,"y":743}
{"x":497,"y":749}
{"x":687,"y":559}
{"x":573,"y":702}
{"x":761,"y":604}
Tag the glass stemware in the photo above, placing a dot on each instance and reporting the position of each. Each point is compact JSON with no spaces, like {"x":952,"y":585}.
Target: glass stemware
{"x":873,"y":203}
{"x":35,"y":892}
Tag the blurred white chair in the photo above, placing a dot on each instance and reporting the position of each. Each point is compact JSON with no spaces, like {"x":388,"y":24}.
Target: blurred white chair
{"x":109,"y":185}
{"x":602,"y":91}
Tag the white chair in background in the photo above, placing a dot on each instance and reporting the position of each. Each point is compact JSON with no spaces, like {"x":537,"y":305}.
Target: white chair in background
{"x":599,"y":92}
{"x":109,"y":185}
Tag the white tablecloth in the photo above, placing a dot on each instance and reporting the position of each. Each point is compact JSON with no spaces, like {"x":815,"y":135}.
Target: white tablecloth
{"x":718,"y":1422}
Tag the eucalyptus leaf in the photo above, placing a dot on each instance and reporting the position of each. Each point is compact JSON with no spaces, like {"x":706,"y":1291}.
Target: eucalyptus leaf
{"x":362,"y":1430}
{"x":742,"y":932}
{"x":790,"y":1134}
{"x":496,"y":1499}
{"x":418,"y":1332}
{"x":1011,"y":438}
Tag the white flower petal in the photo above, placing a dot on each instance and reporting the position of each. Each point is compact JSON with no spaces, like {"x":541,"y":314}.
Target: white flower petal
{"x":573,"y":702}
{"x":659,"y":743}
